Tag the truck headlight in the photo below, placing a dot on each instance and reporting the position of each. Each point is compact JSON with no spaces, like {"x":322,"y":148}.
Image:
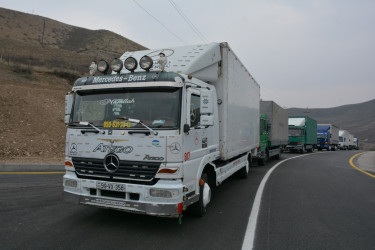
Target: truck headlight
{"x":164,"y":193}
{"x":146,"y":63}
{"x":103,"y":66}
{"x":131,"y":64}
{"x":116,"y":65}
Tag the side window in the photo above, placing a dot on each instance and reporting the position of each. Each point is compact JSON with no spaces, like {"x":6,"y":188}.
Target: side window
{"x":195,"y":114}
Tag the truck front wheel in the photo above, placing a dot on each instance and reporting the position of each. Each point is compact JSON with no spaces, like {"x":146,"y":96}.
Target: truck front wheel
{"x":199,"y":208}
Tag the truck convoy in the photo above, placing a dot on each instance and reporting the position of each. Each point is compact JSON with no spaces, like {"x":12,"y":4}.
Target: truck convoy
{"x":344,"y":138}
{"x":302,"y":134}
{"x":328,"y":137}
{"x":273,"y":131}
{"x":157,"y":139}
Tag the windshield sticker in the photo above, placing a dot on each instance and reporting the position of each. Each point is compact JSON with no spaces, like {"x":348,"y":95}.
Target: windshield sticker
{"x":117,"y":124}
{"x":158,"y":123}
{"x":116,"y":101}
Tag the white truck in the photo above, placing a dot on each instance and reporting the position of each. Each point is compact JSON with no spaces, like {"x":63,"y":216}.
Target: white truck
{"x":344,"y":140}
{"x":158,"y":139}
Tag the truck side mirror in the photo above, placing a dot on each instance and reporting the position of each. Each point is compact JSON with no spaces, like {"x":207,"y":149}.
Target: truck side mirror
{"x":68,"y":106}
{"x":186,"y":128}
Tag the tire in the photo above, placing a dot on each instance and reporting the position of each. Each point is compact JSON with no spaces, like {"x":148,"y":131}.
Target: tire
{"x":200,"y":207}
{"x":263,"y":161}
{"x":243,"y":173}
{"x":277,"y":157}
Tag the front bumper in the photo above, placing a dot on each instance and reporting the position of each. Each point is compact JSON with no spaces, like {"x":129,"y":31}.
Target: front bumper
{"x":86,"y":193}
{"x":294,"y":147}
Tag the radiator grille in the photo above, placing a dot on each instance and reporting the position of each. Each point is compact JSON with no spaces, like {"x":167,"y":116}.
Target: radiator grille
{"x":128,"y":170}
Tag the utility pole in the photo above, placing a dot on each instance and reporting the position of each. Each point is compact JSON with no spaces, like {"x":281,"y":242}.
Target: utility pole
{"x":44,"y":26}
{"x":307,"y":112}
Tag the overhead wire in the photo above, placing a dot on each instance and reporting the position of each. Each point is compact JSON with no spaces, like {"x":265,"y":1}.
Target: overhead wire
{"x":187,"y":20}
{"x":157,"y":20}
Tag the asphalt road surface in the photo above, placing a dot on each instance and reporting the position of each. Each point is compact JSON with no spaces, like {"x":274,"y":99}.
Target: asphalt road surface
{"x":317,"y":201}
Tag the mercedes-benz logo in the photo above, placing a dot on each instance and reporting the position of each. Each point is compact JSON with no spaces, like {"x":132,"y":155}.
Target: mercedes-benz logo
{"x":111,"y":163}
{"x":175,"y":148}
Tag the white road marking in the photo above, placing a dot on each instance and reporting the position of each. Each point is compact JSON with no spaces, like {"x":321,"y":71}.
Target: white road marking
{"x":248,"y":242}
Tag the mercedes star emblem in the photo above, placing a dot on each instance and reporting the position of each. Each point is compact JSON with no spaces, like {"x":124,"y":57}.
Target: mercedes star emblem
{"x":111,"y":163}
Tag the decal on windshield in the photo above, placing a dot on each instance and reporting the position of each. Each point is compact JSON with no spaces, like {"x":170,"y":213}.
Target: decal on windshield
{"x":117,"y":124}
{"x":116,"y":101}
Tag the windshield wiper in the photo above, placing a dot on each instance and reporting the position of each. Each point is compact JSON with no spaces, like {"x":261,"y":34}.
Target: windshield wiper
{"x":97,"y":130}
{"x":137,"y":122}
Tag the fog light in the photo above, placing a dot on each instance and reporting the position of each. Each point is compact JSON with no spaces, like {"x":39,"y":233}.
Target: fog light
{"x":146,"y":63}
{"x":71,"y":183}
{"x":163,"y":193}
{"x":131,"y":64}
{"x":103,"y":66}
{"x":116,"y":65}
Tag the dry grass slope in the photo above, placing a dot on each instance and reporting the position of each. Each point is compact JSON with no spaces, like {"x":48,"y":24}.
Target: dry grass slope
{"x":39,"y":60}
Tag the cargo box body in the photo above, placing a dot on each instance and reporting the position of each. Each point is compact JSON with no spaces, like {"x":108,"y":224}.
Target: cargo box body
{"x":277,"y":118}
{"x":239,"y":95}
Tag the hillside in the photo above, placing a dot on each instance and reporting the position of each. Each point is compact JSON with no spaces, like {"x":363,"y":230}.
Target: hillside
{"x":45,"y":43}
{"x":39,"y":60}
{"x":358,"y":119}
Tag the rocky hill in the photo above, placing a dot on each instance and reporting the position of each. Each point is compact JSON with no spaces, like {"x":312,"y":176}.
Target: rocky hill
{"x":358,"y":119}
{"x":39,"y":60}
{"x":48,"y":44}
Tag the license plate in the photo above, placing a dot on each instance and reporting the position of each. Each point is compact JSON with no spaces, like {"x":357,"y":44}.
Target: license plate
{"x":110,"y":186}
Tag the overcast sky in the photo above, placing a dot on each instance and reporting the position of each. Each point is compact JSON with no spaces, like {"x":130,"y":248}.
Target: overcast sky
{"x":303,"y":53}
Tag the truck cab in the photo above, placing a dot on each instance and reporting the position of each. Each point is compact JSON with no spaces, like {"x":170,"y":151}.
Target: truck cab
{"x":302,"y":134}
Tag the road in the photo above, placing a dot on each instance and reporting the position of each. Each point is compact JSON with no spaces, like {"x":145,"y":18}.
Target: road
{"x":312,"y":202}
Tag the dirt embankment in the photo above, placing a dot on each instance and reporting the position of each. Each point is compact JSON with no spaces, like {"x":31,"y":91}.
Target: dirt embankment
{"x":32,"y":126}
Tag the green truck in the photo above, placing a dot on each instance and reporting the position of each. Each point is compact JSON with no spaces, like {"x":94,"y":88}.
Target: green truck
{"x":302,"y":134}
{"x":273,"y":131}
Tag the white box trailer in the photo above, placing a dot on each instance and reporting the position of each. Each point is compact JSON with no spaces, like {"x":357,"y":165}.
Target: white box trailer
{"x":351,"y":142}
{"x":239,"y":95}
{"x":157,"y":139}
{"x":343,"y":139}
{"x":277,"y":121}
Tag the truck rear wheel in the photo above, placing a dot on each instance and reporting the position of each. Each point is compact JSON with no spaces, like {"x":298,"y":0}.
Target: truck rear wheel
{"x":244,"y":171}
{"x":199,"y":208}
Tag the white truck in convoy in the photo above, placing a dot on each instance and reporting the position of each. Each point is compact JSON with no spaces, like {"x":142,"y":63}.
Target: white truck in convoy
{"x":344,"y":139}
{"x":157,"y":139}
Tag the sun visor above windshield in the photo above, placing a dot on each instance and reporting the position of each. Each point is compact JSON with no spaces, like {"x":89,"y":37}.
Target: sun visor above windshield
{"x":299,"y":122}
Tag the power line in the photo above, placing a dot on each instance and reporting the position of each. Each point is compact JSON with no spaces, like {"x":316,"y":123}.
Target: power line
{"x":192,"y":26}
{"x":165,"y":27}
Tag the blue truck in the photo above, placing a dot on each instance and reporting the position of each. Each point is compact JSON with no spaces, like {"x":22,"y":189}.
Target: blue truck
{"x":328,"y":137}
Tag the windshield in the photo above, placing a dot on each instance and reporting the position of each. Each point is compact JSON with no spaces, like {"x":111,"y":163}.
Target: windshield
{"x":341,"y":139}
{"x":295,"y":132}
{"x":322,"y":135}
{"x":157,"y":108}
